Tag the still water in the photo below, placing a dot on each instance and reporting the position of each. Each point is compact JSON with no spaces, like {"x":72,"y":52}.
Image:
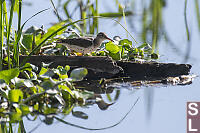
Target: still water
{"x":159,"y":109}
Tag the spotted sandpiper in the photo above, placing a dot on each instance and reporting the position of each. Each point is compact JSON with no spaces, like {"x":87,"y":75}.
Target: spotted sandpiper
{"x":84,"y":44}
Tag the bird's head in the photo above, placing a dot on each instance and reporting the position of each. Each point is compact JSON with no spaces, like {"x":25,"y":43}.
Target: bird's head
{"x":102,"y":36}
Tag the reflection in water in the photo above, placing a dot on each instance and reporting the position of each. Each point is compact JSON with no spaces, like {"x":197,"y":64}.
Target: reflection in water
{"x":152,"y":31}
{"x":148,"y":102}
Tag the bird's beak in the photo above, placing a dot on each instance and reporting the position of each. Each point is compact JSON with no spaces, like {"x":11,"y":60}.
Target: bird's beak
{"x":109,"y":39}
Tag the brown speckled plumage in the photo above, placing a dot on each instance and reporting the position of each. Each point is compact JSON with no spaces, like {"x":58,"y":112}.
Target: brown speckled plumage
{"x":84,"y":44}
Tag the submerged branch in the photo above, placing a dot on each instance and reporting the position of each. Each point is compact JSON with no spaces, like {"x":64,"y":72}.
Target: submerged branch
{"x":82,"y":127}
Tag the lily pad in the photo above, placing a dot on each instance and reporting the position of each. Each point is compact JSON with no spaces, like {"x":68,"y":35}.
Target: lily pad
{"x":78,"y":74}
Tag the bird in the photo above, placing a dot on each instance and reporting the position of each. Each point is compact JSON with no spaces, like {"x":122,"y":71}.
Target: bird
{"x":84,"y":45}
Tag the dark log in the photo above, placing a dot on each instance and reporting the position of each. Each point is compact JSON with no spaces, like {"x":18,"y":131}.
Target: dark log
{"x":98,"y":67}
{"x":153,"y":70}
{"x":104,"y":67}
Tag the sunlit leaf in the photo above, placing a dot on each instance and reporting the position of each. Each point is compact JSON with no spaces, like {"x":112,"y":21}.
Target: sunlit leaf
{"x":112,"y":48}
{"x":28,"y":83}
{"x":51,"y":91}
{"x":63,"y":71}
{"x":7,"y":75}
{"x":48,"y":110}
{"x":15,"y":116}
{"x":17,"y":82}
{"x":65,"y":88}
{"x":25,"y":109}
{"x":26,"y":67}
{"x":60,"y":99}
{"x":115,"y":56}
{"x":15,"y":95}
{"x":67,"y":67}
{"x":43,"y":70}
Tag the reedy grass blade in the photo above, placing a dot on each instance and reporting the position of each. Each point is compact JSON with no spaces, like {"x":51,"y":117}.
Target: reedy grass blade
{"x":144,"y":25}
{"x":116,"y":14}
{"x":65,"y":8}
{"x":21,"y":127}
{"x":5,"y":15}
{"x":55,"y":10}
{"x":185,"y":19}
{"x":124,"y":16}
{"x":1,"y":35}
{"x":10,"y":128}
{"x":197,"y":12}
{"x":9,"y":32}
{"x":16,"y":45}
{"x":97,"y":14}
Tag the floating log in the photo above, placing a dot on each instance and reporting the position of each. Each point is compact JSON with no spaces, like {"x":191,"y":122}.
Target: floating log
{"x":153,"y":70}
{"x":104,"y":67}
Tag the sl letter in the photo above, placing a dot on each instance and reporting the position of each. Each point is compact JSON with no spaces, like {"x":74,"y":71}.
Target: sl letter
{"x":192,"y":110}
{"x":191,"y":107}
{"x":190,"y":126}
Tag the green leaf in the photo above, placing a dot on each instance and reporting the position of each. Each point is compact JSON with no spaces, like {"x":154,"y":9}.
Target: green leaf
{"x":27,"y":41}
{"x":125,"y":43}
{"x":78,"y":74}
{"x":28,"y":83}
{"x":15,"y":95}
{"x":17,"y":82}
{"x":3,"y":91}
{"x":112,"y":48}
{"x":15,"y":116}
{"x":29,"y":67}
{"x":66,"y":89}
{"x":47,"y":85}
{"x":7,"y":75}
{"x":145,"y":45}
{"x":43,"y":71}
{"x":80,"y":114}
{"x":25,"y":109}
{"x":48,"y":74}
{"x":67,"y":68}
{"x":62,"y":70}
{"x":115,"y":56}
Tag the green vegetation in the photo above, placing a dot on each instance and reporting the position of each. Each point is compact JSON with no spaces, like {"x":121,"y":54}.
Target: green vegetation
{"x":26,"y":89}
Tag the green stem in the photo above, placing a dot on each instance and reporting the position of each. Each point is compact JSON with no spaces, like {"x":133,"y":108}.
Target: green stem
{"x":97,"y":14}
{"x":16,"y":44}
{"x":197,"y":12}
{"x":1,"y":35}
{"x":185,"y":18}
{"x":9,"y":31}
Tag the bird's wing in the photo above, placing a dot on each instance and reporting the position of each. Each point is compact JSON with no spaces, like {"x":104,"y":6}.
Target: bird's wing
{"x":81,"y":42}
